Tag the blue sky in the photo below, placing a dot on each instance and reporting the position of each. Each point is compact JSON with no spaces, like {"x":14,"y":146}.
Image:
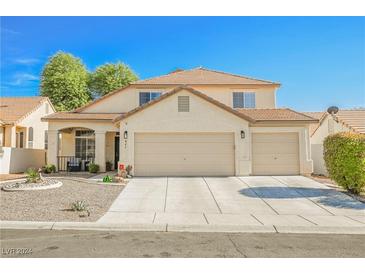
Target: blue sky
{"x":320,"y":61}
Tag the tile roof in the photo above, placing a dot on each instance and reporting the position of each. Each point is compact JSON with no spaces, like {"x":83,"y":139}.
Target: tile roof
{"x":250,"y":115}
{"x":203,"y":76}
{"x":354,"y":119}
{"x":12,"y":109}
{"x":81,"y":116}
{"x":276,"y":114}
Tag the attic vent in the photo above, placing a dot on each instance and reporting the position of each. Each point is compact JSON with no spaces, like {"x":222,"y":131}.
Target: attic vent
{"x":183,"y":104}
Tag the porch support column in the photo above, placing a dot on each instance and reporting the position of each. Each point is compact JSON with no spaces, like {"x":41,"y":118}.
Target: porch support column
{"x":52,"y":151}
{"x":13,"y":136}
{"x":100,"y":149}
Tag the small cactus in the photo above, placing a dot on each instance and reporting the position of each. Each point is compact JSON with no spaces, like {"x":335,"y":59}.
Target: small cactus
{"x":79,"y":206}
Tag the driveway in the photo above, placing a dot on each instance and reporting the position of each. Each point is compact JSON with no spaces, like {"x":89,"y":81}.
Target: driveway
{"x":250,"y":201}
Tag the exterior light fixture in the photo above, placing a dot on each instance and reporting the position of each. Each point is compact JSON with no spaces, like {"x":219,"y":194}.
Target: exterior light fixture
{"x":243,"y":135}
{"x":125,"y":135}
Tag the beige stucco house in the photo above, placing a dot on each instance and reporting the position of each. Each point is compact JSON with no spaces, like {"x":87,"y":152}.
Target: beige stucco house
{"x":342,"y":121}
{"x":23,"y":135}
{"x":21,"y":124}
{"x":188,"y":122}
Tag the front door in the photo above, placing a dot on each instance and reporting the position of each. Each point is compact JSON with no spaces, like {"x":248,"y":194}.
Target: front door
{"x":116,"y":151}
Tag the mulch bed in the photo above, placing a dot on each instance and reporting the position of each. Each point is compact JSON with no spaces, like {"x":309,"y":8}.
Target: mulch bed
{"x":55,"y":204}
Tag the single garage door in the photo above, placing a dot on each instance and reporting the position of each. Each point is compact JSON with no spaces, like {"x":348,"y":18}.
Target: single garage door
{"x":184,"y":154}
{"x":275,"y":154}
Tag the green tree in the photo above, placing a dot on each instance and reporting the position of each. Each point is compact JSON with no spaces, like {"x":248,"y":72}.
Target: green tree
{"x":109,"y":77}
{"x":64,"y":80}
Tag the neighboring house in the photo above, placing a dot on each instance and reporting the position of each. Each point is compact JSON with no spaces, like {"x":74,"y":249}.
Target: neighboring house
{"x":188,"y":122}
{"x":342,"y":121}
{"x":23,"y":136}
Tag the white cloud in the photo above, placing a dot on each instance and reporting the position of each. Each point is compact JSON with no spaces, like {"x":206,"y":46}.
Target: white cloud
{"x":26,"y":61}
{"x":22,"y":78}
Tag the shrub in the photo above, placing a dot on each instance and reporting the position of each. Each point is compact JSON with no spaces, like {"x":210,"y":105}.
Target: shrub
{"x":79,"y":206}
{"x":93,"y":168}
{"x":32,"y":175}
{"x":49,"y":168}
{"x":107,"y":179}
{"x":344,"y":155}
{"x":108,"y":166}
{"x":129,"y":169}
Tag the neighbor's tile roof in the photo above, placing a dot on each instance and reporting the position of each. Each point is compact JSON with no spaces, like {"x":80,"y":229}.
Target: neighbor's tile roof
{"x":319,"y":115}
{"x":81,"y":116}
{"x":202,"y":76}
{"x":277,"y":114}
{"x":12,"y":109}
{"x":354,"y":119}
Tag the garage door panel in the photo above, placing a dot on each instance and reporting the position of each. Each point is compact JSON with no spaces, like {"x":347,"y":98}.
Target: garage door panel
{"x":275,"y":154}
{"x":172,"y":148}
{"x":184,"y":154}
{"x":284,"y":149}
{"x":183,"y":137}
{"x":277,"y":159}
{"x":275,"y":138}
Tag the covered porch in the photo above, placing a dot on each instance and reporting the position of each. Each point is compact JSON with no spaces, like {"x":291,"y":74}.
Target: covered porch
{"x":73,"y":146}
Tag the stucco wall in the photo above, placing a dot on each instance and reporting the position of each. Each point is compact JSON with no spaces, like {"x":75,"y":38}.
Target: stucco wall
{"x":39,"y":127}
{"x":204,"y":117}
{"x":317,"y":142}
{"x":15,"y":160}
{"x":322,"y":132}
{"x":128,"y":99}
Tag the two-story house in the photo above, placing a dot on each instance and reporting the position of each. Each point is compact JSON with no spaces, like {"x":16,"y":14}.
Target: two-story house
{"x":186,"y":123}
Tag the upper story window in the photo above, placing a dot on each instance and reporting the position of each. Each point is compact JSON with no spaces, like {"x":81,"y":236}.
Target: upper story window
{"x":30,"y":137}
{"x":145,"y":97}
{"x":47,"y":108}
{"x":244,"y":100}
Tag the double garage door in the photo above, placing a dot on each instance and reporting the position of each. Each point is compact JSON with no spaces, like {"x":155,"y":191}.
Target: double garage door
{"x":212,"y":154}
{"x":184,"y":154}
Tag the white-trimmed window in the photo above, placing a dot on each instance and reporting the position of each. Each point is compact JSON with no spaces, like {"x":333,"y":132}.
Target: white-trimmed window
{"x":85,"y":144}
{"x":146,"y":96}
{"x":30,"y":137}
{"x":244,"y":100}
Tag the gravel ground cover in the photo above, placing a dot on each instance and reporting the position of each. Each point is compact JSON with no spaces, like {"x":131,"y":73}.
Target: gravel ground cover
{"x":55,"y":204}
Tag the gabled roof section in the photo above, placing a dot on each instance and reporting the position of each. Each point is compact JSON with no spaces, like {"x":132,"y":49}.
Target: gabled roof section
{"x":277,"y":114}
{"x":203,"y":76}
{"x":193,"y":91}
{"x":14,"y":109}
{"x":354,"y":119}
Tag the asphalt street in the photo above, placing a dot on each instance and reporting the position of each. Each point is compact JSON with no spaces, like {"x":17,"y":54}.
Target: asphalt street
{"x":91,"y":244}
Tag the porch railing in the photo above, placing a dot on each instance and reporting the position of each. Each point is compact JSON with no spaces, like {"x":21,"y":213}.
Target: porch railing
{"x":73,"y":163}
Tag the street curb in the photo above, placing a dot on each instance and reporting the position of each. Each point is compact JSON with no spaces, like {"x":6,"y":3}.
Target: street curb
{"x":221,"y":228}
{"x":322,"y":229}
{"x":360,"y":230}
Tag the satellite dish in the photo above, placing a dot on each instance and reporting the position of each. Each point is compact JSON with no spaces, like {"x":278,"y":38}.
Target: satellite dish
{"x":332,"y":110}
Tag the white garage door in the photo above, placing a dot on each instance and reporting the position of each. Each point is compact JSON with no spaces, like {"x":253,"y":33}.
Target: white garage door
{"x":184,"y":154}
{"x":275,"y":154}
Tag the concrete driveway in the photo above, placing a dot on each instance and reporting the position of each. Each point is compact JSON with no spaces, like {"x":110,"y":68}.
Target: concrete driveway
{"x":250,"y":201}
